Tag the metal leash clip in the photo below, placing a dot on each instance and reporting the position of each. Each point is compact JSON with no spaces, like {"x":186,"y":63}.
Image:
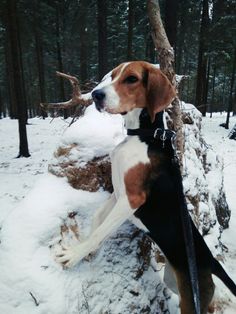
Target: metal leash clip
{"x":163,"y":138}
{"x":156,"y":131}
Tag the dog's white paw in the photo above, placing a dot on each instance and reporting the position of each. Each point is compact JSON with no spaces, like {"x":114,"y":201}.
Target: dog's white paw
{"x":69,"y":256}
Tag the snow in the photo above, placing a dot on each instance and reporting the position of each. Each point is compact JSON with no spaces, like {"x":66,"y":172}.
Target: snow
{"x":217,"y":137}
{"x":53,"y":214}
{"x":202,"y":178}
{"x":94,"y":134}
{"x":17,"y":176}
{"x":35,"y":204}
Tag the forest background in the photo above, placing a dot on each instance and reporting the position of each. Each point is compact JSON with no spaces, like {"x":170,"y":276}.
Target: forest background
{"x":89,"y":38}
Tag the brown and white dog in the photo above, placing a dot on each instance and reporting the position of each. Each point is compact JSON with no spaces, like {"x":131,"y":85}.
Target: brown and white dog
{"x":147,"y":184}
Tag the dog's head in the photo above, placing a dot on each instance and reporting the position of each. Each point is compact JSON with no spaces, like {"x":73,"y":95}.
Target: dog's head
{"x":136,"y":84}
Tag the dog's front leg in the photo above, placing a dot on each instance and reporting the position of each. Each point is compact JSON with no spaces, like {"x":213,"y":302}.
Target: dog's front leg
{"x":70,"y":256}
{"x":101,"y":213}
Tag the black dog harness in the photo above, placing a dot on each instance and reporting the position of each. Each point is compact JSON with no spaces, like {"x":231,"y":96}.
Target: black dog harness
{"x":166,"y":136}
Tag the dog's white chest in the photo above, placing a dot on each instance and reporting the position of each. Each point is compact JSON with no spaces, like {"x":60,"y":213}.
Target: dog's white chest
{"x":126,"y":155}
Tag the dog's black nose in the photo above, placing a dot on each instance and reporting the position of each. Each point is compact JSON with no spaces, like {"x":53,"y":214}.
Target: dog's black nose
{"x":98,"y":95}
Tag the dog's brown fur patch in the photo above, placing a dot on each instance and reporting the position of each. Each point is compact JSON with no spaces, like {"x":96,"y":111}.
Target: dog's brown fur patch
{"x":135,"y":180}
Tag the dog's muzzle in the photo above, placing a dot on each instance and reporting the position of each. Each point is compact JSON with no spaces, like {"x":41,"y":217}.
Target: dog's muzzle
{"x":98,"y":97}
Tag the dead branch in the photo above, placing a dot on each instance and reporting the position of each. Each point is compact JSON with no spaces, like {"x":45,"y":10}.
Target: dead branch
{"x":77,"y":97}
{"x":35,"y":300}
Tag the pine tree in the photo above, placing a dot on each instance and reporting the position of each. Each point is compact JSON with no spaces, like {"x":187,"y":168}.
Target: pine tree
{"x":16,"y":66}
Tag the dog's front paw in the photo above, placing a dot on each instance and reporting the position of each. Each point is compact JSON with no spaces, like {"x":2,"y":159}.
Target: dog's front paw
{"x":69,"y":256}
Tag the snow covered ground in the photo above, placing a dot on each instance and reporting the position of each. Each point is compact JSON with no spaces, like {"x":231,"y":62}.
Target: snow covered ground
{"x":217,"y":137}
{"x":19,"y":176}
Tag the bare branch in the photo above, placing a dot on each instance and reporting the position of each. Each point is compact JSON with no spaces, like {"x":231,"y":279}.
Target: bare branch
{"x":77,"y":97}
{"x":35,"y":300}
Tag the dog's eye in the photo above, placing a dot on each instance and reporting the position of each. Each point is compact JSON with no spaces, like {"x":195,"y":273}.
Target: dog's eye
{"x":131,"y":79}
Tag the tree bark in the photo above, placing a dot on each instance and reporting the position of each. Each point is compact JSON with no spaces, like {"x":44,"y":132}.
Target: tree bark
{"x":102,"y":38}
{"x":166,"y":59}
{"x":17,"y":88}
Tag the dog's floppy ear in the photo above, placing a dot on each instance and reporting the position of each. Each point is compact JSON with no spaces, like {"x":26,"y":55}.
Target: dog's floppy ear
{"x":160,"y":92}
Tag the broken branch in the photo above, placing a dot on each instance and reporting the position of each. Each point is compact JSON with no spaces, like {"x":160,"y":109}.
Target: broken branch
{"x":77,"y":97}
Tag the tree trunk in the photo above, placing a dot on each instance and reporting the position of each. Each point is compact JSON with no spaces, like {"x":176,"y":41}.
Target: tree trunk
{"x":130,"y":30}
{"x":150,"y":49}
{"x":213,"y":90}
{"x":222,"y":100}
{"x":102,"y":38}
{"x":17,"y":75}
{"x":230,"y":105}
{"x":205,"y":95}
{"x":59,"y":54}
{"x":83,"y":41}
{"x":1,"y":105}
{"x":39,"y":55}
{"x":24,"y":97}
{"x":171,"y":8}
{"x":181,"y":38}
{"x":166,"y":58}
{"x":202,"y":60}
{"x":9,"y":72}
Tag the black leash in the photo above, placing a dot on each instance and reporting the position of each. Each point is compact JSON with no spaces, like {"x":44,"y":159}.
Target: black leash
{"x":163,"y":135}
{"x":191,"y":256}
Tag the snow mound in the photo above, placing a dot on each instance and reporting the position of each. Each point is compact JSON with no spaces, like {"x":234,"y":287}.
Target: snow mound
{"x":122,"y":277}
{"x":204,"y":182}
{"x":96,"y":134}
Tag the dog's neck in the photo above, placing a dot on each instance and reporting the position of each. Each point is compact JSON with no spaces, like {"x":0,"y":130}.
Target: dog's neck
{"x":139,"y":118}
{"x":132,"y":120}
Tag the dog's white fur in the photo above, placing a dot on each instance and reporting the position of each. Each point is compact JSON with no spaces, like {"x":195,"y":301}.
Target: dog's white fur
{"x":117,"y":209}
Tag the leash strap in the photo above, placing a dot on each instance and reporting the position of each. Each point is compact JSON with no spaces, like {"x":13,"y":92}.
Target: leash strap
{"x":163,"y":135}
{"x":191,"y":256}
